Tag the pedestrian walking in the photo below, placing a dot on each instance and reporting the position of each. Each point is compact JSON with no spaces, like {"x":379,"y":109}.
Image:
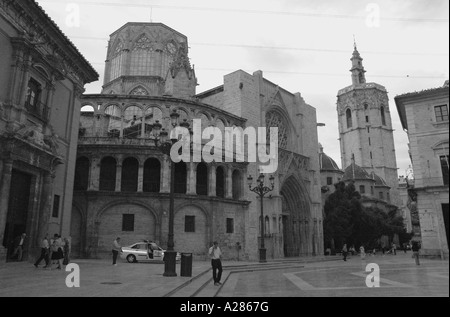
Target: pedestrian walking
{"x":19,"y":243}
{"x":345,"y":252}
{"x":415,"y":248}
{"x":57,"y":251}
{"x":362,"y":253}
{"x":116,"y":248}
{"x":67,"y":249}
{"x":394,"y":248}
{"x":45,"y":251}
{"x":216,"y":255}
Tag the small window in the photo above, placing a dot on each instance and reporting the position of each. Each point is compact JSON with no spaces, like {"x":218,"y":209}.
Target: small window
{"x":367,"y":119}
{"x":362,"y":189}
{"x":189,"y":224}
{"x":33,"y":93}
{"x":441,"y":113}
{"x":230,"y":225}
{"x":381,"y":195}
{"x":370,"y":142}
{"x":366,"y":106}
{"x":128,"y":223}
{"x":368,"y":129}
{"x":372,"y":191}
{"x":383,"y":116}
{"x":371,"y":156}
{"x":444,"y":168}
{"x":388,"y":197}
{"x":329,"y":180}
{"x":56,"y":203}
{"x":349,"y":119}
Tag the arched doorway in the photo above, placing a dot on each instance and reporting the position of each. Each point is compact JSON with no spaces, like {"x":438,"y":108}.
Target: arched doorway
{"x":296,"y":212}
{"x":131,"y":222}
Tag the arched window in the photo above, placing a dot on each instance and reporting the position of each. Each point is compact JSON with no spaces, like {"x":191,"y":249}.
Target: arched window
{"x":349,"y":119}
{"x":237,"y":185}
{"x":383,"y":116}
{"x":275,"y":120}
{"x":152,"y":115}
{"x":180,"y":178}
{"x":202,"y":179}
{"x":152,"y":176}
{"x":130,"y":172}
{"x":220,"y":182}
{"x":108,"y":174}
{"x":132,"y":122}
{"x":82,"y":174}
{"x":113,"y":116}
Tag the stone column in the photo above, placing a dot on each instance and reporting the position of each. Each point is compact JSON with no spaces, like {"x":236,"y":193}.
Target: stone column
{"x":141,"y":178}
{"x":46,"y":204}
{"x":212,"y":181}
{"x":5,"y":186}
{"x":94,"y":174}
{"x":165,"y":175}
{"x":121,"y":126}
{"x":229,"y":184}
{"x":118,"y":178}
{"x":143,"y":126}
{"x":192,"y":179}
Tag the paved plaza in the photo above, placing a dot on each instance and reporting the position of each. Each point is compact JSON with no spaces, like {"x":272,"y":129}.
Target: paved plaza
{"x":310,"y":277}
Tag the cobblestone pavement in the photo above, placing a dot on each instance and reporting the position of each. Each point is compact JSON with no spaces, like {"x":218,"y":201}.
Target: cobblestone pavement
{"x":288,"y":278}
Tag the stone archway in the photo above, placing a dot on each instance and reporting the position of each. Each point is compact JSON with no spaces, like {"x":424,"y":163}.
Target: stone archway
{"x":296,"y":218}
{"x":131,"y":222}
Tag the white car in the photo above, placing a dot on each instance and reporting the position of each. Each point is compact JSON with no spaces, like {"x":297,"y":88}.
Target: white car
{"x":144,"y":251}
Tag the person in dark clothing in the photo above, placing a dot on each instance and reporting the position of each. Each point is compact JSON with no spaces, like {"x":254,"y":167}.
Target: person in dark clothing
{"x":216,"y":254}
{"x":19,"y":243}
{"x":415,"y":248}
{"x":345,"y":252}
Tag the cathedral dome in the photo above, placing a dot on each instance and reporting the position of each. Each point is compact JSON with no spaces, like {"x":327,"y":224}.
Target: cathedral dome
{"x":327,"y":163}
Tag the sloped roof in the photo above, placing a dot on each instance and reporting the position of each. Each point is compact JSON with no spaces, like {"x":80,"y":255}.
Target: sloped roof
{"x":379,"y":182}
{"x":355,"y":172}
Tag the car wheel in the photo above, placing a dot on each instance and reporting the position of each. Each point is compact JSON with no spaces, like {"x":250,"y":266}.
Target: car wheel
{"x":131,"y":259}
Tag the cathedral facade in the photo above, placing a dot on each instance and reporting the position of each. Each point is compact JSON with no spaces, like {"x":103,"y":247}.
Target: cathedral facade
{"x":122,"y":180}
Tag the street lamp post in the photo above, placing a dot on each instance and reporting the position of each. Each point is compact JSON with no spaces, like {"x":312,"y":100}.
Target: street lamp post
{"x":261,"y":190}
{"x":164,"y":145}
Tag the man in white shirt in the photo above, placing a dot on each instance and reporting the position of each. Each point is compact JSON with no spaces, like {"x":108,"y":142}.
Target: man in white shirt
{"x":216,"y":254}
{"x":116,"y":248}
{"x":45,"y":251}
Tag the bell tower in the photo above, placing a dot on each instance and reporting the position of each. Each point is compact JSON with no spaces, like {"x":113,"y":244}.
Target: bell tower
{"x":365,"y":127}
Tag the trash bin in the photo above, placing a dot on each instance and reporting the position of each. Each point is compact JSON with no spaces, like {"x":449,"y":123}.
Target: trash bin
{"x":186,"y":264}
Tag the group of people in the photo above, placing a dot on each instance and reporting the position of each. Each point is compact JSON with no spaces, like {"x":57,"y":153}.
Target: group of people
{"x":54,"y":251}
{"x":415,"y":248}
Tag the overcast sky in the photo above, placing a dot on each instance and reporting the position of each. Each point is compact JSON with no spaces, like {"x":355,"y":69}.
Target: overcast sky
{"x":302,"y":45}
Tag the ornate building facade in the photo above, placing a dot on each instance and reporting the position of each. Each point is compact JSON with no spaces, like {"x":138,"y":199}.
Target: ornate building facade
{"x":424,"y":115}
{"x":42,"y":76}
{"x":122,"y":181}
{"x":366,"y":134}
